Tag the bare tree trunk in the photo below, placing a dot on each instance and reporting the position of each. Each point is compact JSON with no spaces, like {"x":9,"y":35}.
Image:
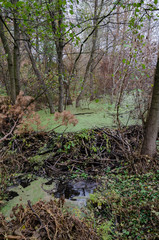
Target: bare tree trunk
{"x":114,"y":56}
{"x":60,"y":78}
{"x":16,"y":51}
{"x":59,"y":49}
{"x":9,"y":61}
{"x":68,"y":99}
{"x":57,"y":28}
{"x":90,"y":64}
{"x":79,"y":97}
{"x":94,"y":41}
{"x":5,"y":79}
{"x":40,"y":78}
{"x":152,"y":122}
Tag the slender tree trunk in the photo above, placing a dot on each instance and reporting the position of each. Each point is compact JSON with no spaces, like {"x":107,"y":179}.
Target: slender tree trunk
{"x":5,"y":79}
{"x":94,"y":41}
{"x":50,"y":102}
{"x":90,"y":64}
{"x":60,"y":78}
{"x":114,"y":56}
{"x":87,"y":71}
{"x":9,"y":61}
{"x":37,"y":41}
{"x":59,"y":49}
{"x":16,"y":51}
{"x":152,"y":122}
{"x":79,"y":97}
{"x":68,"y":100}
{"x":40,"y":78}
{"x":57,"y":28}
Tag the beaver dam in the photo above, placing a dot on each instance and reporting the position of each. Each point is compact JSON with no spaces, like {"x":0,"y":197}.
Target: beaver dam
{"x":51,"y":176}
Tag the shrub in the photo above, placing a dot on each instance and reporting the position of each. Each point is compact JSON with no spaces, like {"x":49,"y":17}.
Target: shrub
{"x":66,"y":117}
{"x":131,"y":204}
{"x":17,"y":118}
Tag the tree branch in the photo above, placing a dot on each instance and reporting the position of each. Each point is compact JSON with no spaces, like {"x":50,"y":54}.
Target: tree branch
{"x":7,"y":29}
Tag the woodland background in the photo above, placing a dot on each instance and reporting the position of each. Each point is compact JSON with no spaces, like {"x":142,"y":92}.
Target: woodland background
{"x":94,"y":64}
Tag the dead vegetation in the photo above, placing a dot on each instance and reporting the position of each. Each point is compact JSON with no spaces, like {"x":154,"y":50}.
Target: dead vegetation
{"x":96,"y":150}
{"x":91,"y":151}
{"x":17,"y":118}
{"x":45,"y":221}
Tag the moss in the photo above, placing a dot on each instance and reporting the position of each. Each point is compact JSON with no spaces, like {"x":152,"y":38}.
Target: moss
{"x":99,"y":114}
{"x":33,"y":192}
{"x":38,"y":159}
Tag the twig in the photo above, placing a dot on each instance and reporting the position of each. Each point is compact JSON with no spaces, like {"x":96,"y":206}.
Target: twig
{"x":12,"y":129}
{"x":58,"y":160}
{"x":42,"y":225}
{"x":13,"y":237}
{"x":85,"y":147}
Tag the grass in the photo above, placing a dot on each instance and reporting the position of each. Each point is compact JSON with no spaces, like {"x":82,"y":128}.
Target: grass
{"x":98,"y":113}
{"x":102,"y":114}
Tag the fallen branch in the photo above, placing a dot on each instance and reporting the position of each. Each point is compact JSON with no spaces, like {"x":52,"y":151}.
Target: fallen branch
{"x":83,"y":113}
{"x":42,"y":225}
{"x":8,"y":134}
{"x":12,"y":237}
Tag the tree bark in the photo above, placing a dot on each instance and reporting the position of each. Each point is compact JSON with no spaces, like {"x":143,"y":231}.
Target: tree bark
{"x":59,"y":49}
{"x":60,"y":78}
{"x":5,"y":79}
{"x":16,"y":51}
{"x":9,"y":61}
{"x":152,"y":122}
{"x":94,"y":41}
{"x":68,"y":99}
{"x":57,"y":29}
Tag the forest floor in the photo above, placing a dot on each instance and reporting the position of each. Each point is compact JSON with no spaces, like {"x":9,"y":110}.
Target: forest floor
{"x":98,"y":113}
{"x":125,"y":204}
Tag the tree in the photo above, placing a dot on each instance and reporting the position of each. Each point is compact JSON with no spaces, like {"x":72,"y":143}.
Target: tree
{"x":152,"y":121}
{"x":90,"y":64}
{"x":94,"y":34}
{"x":40,"y":77}
{"x":9,"y":55}
{"x":16,"y":50}
{"x":12,"y":52}
{"x":56,"y":12}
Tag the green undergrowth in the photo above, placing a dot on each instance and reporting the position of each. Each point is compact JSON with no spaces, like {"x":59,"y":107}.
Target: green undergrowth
{"x":98,"y":113}
{"x":2,"y":91}
{"x":127,"y":207}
